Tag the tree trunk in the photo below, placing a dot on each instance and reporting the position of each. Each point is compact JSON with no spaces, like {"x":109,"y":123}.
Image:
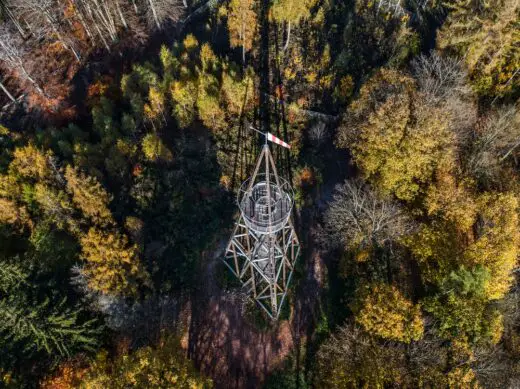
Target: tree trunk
{"x":185,"y":3}
{"x":100,"y":33}
{"x":121,"y":16}
{"x":135,"y":7}
{"x":85,"y":26}
{"x":154,"y":13}
{"x":111,"y":23}
{"x":62,"y":41}
{"x":7,"y":92}
{"x":32,"y":81}
{"x":243,"y":38}
{"x":72,"y":49}
{"x":103,"y":13}
{"x":210,"y":4}
{"x":286,"y":46}
{"x":15,"y":21}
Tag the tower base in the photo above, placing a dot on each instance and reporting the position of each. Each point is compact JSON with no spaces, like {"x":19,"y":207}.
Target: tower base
{"x":264,"y":263}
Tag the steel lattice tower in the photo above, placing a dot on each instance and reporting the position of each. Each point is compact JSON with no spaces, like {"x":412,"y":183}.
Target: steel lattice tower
{"x":264,"y":247}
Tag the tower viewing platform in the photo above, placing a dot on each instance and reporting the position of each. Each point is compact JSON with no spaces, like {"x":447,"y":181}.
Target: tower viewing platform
{"x":265,"y":205}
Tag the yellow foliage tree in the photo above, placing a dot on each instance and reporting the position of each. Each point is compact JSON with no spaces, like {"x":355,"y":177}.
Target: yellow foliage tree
{"x":190,"y":43}
{"x":184,"y":96}
{"x":112,"y":264}
{"x":242,"y":22}
{"x":155,"y":107}
{"x":496,"y":246}
{"x":395,"y":140}
{"x":383,"y":311}
{"x":462,"y":378}
{"x":56,"y":205}
{"x":154,"y":149}
{"x":9,"y":213}
{"x":29,"y":162}
{"x":210,"y":112}
{"x":208,"y":58}
{"x":238,"y":93}
{"x":164,"y":366}
{"x":68,"y":376}
{"x":487,"y":37}
{"x":452,"y":200}
{"x":89,"y":196}
{"x":435,"y":246}
{"x":291,"y":12}
{"x":487,"y":235}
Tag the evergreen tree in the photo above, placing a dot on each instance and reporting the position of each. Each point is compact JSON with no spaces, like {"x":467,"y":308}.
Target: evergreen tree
{"x":31,"y":327}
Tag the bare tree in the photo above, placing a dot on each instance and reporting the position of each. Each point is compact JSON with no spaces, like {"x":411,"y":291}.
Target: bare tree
{"x":105,"y":17}
{"x":350,"y":357}
{"x":12,"y":54}
{"x":440,"y":77}
{"x":7,"y":13}
{"x":442,"y":81}
{"x":395,"y":7}
{"x":510,"y":309}
{"x":6,"y":91}
{"x":493,"y":367}
{"x":160,"y":11}
{"x":357,"y":217}
{"x":46,"y":17}
{"x":497,"y":138}
{"x":428,"y":353}
{"x":142,"y":320}
{"x":318,"y":132}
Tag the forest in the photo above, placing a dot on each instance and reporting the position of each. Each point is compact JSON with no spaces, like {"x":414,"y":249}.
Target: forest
{"x":126,"y":133}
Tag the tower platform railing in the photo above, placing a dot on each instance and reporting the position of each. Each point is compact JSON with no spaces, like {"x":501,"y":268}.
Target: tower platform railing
{"x":254,"y":199}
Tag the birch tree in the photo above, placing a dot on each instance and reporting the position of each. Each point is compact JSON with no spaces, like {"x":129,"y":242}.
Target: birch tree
{"x":48,"y":16}
{"x":6,"y":91}
{"x":242,"y":22}
{"x":6,"y":12}
{"x":102,"y":17}
{"x":291,"y":12}
{"x":160,"y":11}
{"x":12,"y":54}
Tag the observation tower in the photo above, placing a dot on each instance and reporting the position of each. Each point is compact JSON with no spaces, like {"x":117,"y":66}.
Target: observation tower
{"x":264,"y":247}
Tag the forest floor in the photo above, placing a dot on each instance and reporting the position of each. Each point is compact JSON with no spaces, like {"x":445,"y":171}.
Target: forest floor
{"x":228,"y":347}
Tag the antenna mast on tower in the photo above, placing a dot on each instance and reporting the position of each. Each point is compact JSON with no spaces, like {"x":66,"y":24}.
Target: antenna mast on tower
{"x":264,"y":247}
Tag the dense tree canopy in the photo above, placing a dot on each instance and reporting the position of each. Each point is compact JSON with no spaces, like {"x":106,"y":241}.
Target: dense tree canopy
{"x":127,"y":129}
{"x":395,"y":138}
{"x":383,"y":311}
{"x":486,"y":35}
